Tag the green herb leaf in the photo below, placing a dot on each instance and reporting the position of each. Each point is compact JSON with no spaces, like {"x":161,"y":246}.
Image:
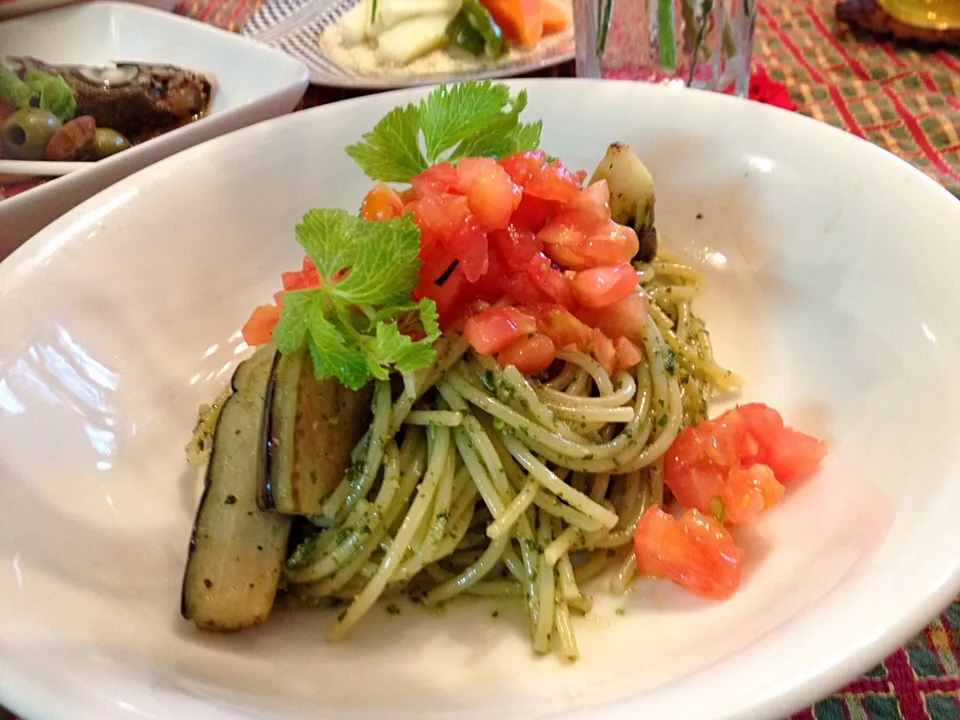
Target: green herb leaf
{"x":14,"y":90}
{"x":450,"y":114}
{"x":352,"y":324}
{"x":55,"y":94}
{"x":391,"y":151}
{"x":471,"y":118}
{"x":503,"y":135}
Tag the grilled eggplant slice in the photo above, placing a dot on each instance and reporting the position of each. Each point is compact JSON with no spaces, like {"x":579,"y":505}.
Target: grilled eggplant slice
{"x":237,"y":550}
{"x":312,"y":427}
{"x":632,"y":198}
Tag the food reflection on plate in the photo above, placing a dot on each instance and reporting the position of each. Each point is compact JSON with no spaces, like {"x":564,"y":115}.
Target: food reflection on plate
{"x":85,"y":113}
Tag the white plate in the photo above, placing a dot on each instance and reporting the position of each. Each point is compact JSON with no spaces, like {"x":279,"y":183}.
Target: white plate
{"x":15,"y":8}
{"x":295,"y":26}
{"x":833,"y":292}
{"x":254,"y":83}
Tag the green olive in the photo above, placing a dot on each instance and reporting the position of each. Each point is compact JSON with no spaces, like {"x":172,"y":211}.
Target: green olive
{"x":25,"y":134}
{"x":105,"y":142}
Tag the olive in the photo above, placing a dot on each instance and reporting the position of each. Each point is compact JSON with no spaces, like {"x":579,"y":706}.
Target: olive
{"x":105,"y":142}
{"x":25,"y":134}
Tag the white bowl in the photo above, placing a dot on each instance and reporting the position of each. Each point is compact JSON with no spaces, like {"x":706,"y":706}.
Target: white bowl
{"x":254,"y":83}
{"x":833,"y":293}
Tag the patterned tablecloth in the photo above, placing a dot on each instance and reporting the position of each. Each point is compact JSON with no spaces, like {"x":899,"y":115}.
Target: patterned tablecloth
{"x":905,"y":101}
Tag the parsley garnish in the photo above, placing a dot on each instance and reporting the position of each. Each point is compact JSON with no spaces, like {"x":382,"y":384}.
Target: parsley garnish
{"x":350,"y":323}
{"x":469,"y":119}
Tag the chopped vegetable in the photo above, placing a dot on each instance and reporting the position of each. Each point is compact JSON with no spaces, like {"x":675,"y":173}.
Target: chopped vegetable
{"x":520,"y":19}
{"x":601,"y":287}
{"x":355,"y":23}
{"x":412,"y":38}
{"x":739,"y":462}
{"x":497,"y":328}
{"x":393,"y":12}
{"x":476,"y":23}
{"x":555,"y":18}
{"x":71,"y":139}
{"x":529,"y":354}
{"x":468,"y":119}
{"x":696,"y":552}
{"x":55,"y":95}
{"x":14,"y":90}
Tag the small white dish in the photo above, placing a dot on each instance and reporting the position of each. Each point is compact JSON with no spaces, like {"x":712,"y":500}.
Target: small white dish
{"x":295,"y":26}
{"x":253,"y":83}
{"x":14,"y":8}
{"x":833,"y":292}
{"x":41,"y":168}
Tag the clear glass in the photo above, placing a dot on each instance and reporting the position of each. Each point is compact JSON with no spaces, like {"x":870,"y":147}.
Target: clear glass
{"x":702,"y":43}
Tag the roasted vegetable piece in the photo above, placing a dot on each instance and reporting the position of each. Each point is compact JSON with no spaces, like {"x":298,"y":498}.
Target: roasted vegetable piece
{"x":25,"y":133}
{"x":631,"y":195}
{"x":312,"y":427}
{"x":68,"y":142}
{"x":104,"y":143}
{"x":237,"y":551}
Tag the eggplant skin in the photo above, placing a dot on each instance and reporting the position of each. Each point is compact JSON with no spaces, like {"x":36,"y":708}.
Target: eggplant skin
{"x":311,"y":428}
{"x":237,"y":551}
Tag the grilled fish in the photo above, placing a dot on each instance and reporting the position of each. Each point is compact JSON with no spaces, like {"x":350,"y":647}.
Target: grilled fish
{"x":137,"y":100}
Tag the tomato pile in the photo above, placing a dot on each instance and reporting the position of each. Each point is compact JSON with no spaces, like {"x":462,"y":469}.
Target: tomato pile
{"x":523,"y":234}
{"x":727,"y":470}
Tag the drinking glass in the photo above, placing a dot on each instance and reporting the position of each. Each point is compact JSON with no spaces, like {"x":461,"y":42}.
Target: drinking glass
{"x":701,"y":43}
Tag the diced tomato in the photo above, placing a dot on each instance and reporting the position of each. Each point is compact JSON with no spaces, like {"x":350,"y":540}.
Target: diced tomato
{"x":696,"y":552}
{"x":529,"y":354}
{"x":523,"y":166}
{"x":532,"y":213}
{"x":448,"y":296}
{"x":554,"y":182}
{"x":548,"y":280}
{"x":67,"y":142}
{"x":559,"y":325}
{"x":468,"y":245}
{"x":6,"y":110}
{"x":515,"y":246}
{"x":603,"y":351}
{"x":580,"y":176}
{"x":604,"y":286}
{"x":259,"y":328}
{"x":438,"y":179}
{"x":408,"y":196}
{"x":748,"y":491}
{"x":793,"y":455}
{"x":729,"y":466}
{"x":492,"y":195}
{"x":628,"y":354}
{"x":439,"y":217}
{"x":497,"y":328}
{"x":304,"y":279}
{"x":626,"y":318}
{"x":594,"y":200}
{"x":381,"y":203}
{"x":579,"y":240}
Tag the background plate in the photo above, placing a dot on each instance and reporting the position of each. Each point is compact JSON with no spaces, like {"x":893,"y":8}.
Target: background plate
{"x":295,"y":26}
